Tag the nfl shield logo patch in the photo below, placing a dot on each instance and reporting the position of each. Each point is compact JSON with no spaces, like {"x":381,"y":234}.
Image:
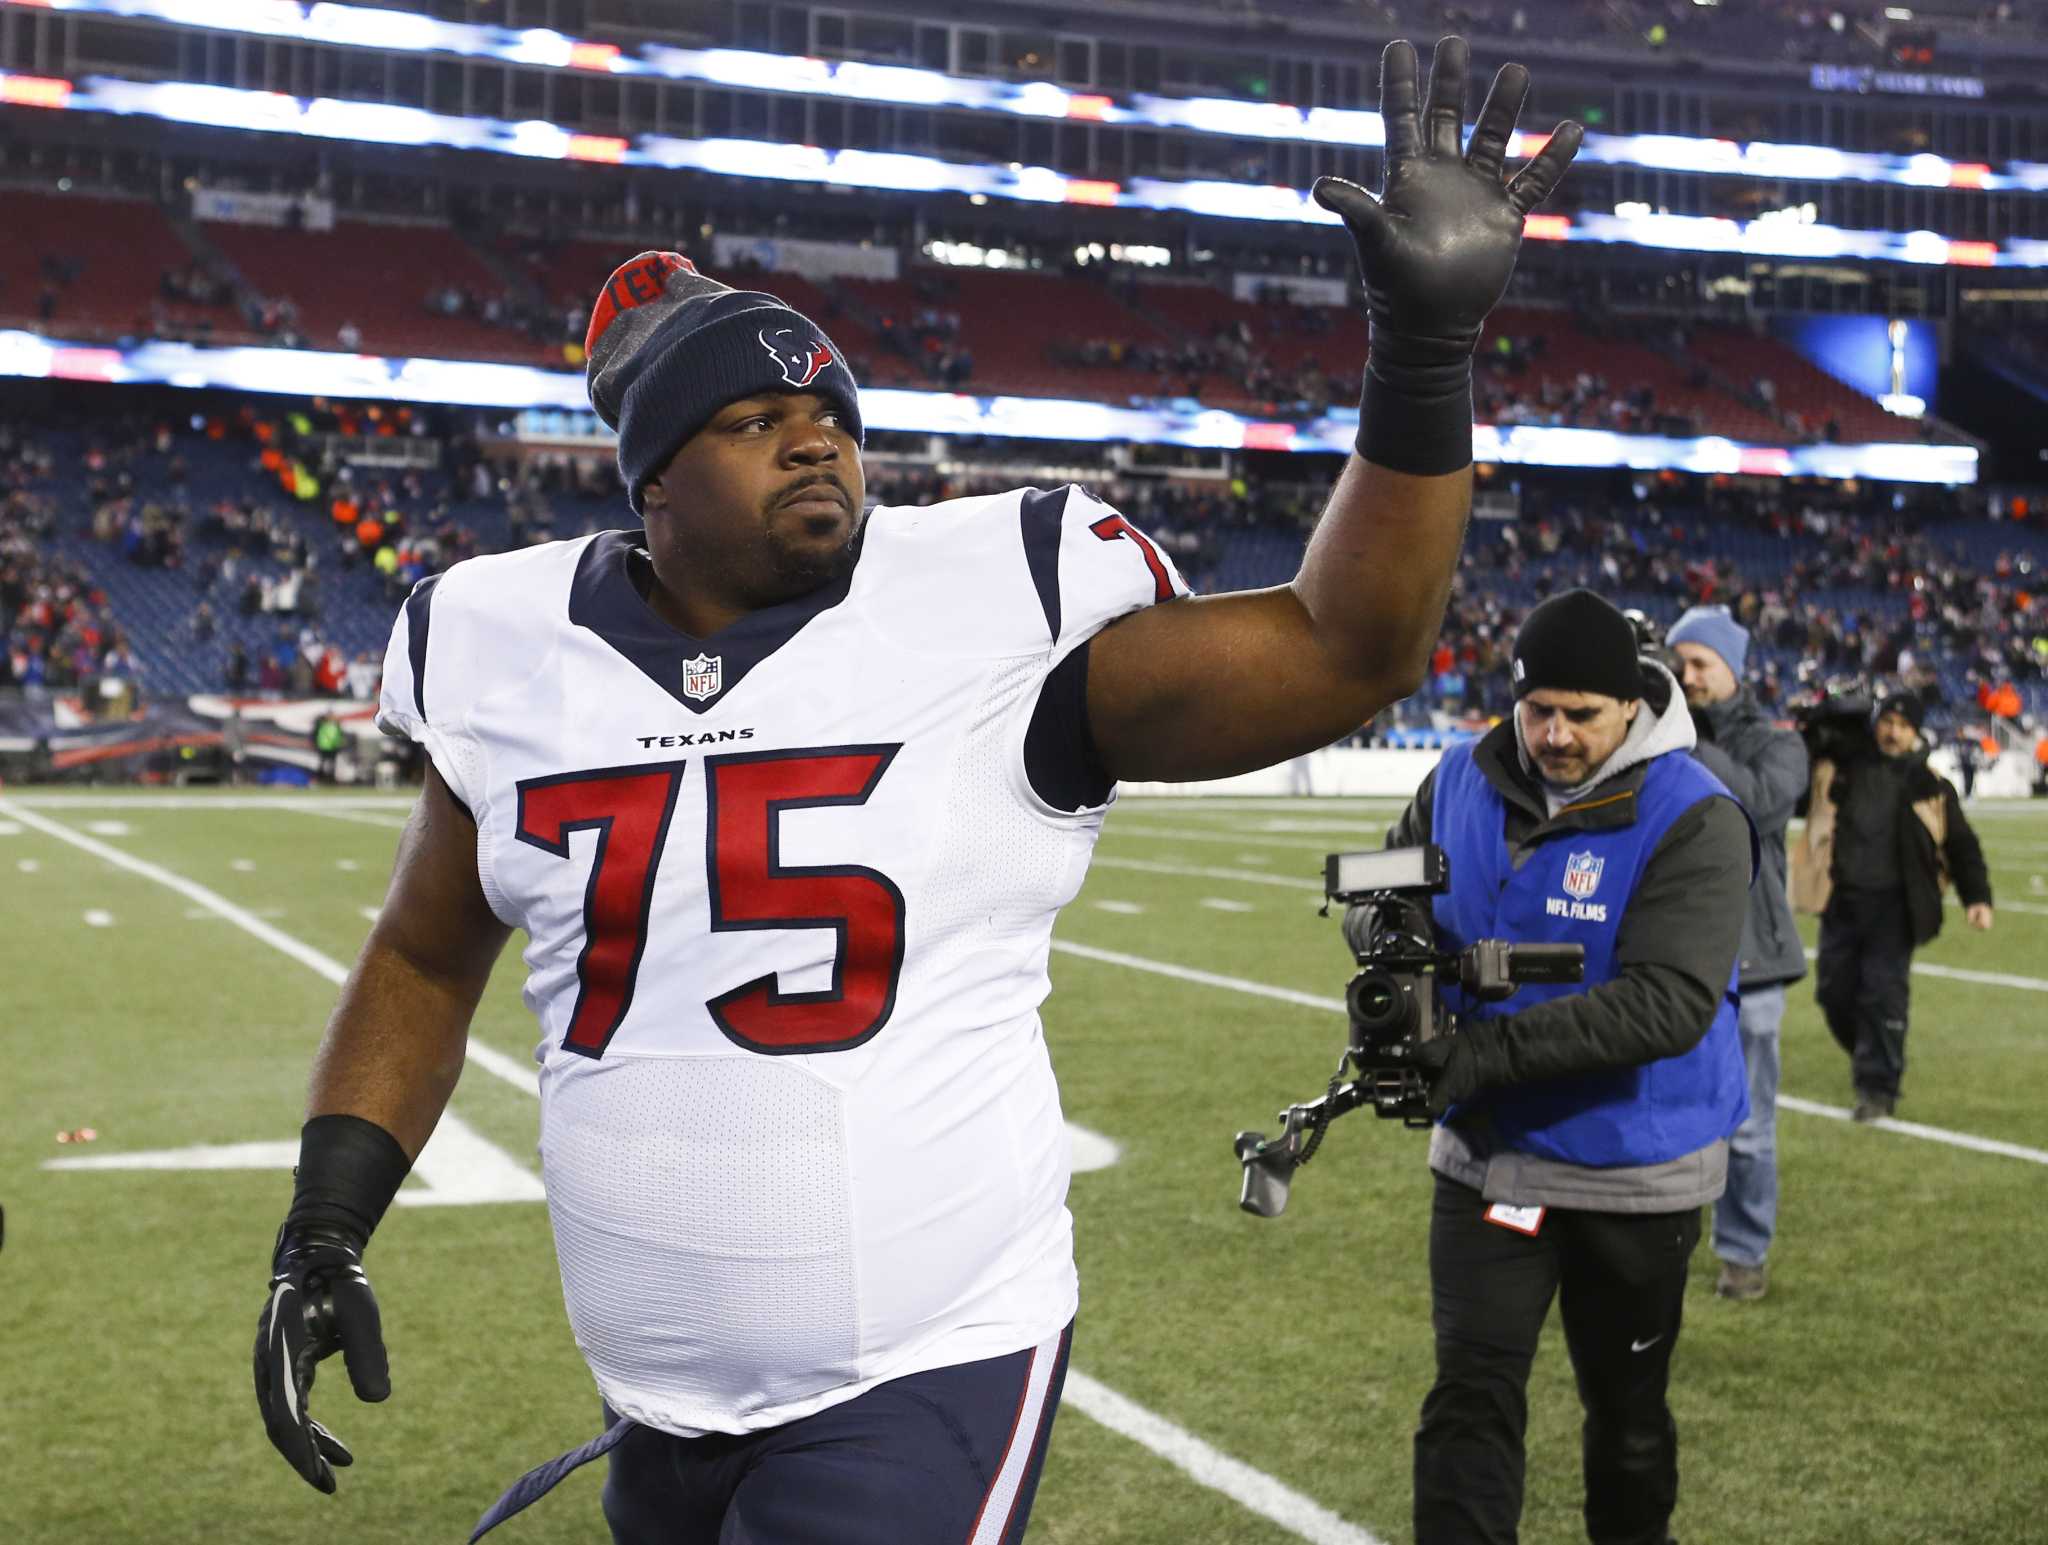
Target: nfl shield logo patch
{"x":1582,"y":874}
{"x":703,"y":676}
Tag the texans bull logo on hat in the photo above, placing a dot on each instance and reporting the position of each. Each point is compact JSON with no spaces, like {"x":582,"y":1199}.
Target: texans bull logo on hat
{"x":800,"y":357}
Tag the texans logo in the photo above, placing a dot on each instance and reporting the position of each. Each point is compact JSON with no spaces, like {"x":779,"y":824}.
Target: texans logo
{"x":800,"y":357}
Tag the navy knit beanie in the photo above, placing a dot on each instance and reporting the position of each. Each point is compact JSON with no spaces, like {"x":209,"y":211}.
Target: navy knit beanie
{"x":1577,"y":642}
{"x":668,"y":347}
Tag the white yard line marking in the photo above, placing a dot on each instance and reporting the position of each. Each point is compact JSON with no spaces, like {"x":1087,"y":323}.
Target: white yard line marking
{"x":1122,"y":908}
{"x":242,"y":865}
{"x":1982,"y":978}
{"x":1253,"y":1490}
{"x":322,"y":965}
{"x":347,"y":865}
{"x":29,"y":865}
{"x":99,"y":919}
{"x":110,"y":828}
{"x":457,"y":1168}
{"x":371,"y":914}
{"x":1219,"y":904}
{"x":1145,"y":866}
{"x":203,"y":915}
{"x":1306,"y":1000}
{"x":1088,"y":1151}
{"x":1915,"y":1129}
{"x":359,"y":817}
{"x":1985,"y":978}
{"x":1336,"y":1005}
{"x":10,"y":829}
{"x":520,"y":1072}
{"x":2027,"y":908}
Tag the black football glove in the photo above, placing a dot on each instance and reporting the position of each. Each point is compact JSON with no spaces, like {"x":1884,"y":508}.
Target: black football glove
{"x":320,"y":1303}
{"x":1436,"y":247}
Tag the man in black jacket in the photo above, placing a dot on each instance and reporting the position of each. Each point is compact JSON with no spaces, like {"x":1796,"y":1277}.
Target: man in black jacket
{"x":1764,"y":767}
{"x":1885,"y":836}
{"x":1584,"y":1125}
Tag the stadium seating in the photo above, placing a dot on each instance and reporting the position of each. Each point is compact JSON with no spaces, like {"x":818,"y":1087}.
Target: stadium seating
{"x":1012,"y":324}
{"x":1801,"y":388}
{"x":115,"y":252}
{"x":377,"y":277}
{"x":1019,"y":333}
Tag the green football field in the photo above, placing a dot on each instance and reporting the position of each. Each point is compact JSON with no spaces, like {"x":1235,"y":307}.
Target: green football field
{"x":169,"y":961}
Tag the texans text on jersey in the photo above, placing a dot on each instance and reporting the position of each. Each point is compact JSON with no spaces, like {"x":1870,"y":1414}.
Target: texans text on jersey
{"x":701,"y":738}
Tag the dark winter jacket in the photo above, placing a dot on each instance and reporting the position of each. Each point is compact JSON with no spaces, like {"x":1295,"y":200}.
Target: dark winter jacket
{"x":1937,"y":848}
{"x":1675,"y":948}
{"x":1765,"y":768}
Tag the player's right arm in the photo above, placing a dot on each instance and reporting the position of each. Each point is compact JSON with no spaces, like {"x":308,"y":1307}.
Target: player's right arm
{"x":394,"y":1044}
{"x":385,"y":1069}
{"x":393,"y":1048}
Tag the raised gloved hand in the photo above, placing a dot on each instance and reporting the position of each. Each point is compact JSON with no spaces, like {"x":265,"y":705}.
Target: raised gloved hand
{"x":320,"y":1303}
{"x":1435,"y":249}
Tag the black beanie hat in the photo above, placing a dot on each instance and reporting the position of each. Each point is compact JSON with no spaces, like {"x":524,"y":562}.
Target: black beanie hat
{"x":668,"y":347}
{"x":1577,"y":642}
{"x":1909,"y":706}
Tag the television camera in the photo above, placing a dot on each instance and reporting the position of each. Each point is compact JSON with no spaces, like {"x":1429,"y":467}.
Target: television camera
{"x":1395,"y":1006}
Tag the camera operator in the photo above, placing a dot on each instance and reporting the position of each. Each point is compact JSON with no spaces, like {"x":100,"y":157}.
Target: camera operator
{"x":1765,"y":768}
{"x":1579,"y":1136}
{"x":1885,"y":835}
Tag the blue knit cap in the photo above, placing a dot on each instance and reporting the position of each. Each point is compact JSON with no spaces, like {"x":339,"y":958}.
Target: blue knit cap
{"x":1715,"y":627}
{"x":668,"y":347}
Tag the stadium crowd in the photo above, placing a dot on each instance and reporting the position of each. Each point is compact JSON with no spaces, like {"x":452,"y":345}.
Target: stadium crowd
{"x":291,"y":563}
{"x":56,"y":630}
{"x":1862,"y":583}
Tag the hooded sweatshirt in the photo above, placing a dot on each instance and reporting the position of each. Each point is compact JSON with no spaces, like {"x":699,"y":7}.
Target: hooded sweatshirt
{"x":1675,"y":949}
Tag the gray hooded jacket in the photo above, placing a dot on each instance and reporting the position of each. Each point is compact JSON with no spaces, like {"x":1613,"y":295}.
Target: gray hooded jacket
{"x":1765,"y":768}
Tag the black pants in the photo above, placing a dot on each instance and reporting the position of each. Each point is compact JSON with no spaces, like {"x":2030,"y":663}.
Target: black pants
{"x":1621,"y":1281}
{"x":1861,"y":982}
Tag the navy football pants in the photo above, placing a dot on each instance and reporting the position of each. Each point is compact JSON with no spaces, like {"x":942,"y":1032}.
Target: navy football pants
{"x":949,"y":1457}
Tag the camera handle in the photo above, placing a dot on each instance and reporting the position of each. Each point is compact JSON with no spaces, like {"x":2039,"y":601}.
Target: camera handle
{"x":1270,"y":1162}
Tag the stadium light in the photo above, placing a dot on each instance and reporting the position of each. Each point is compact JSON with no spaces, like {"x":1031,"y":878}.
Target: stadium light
{"x":469,"y":383}
{"x":231,"y":107}
{"x":390,"y":31}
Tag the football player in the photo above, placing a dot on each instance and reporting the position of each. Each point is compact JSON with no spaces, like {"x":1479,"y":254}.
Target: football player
{"x":786,"y":795}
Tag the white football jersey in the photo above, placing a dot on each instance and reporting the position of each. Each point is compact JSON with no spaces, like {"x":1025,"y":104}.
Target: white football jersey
{"x":789,"y":896}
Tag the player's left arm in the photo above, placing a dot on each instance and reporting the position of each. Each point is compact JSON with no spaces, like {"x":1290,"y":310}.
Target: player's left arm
{"x":1205,"y":688}
{"x":1215,"y":685}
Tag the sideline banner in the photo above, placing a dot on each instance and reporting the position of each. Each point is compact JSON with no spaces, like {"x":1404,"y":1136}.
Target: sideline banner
{"x":809,"y":259}
{"x":232,"y":207}
{"x":1348,"y":771}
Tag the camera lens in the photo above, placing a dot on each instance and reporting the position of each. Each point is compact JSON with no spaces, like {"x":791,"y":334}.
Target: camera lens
{"x":1380,"y":1004}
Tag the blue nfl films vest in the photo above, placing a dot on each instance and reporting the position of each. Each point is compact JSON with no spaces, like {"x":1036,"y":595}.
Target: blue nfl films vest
{"x":1574,"y":889}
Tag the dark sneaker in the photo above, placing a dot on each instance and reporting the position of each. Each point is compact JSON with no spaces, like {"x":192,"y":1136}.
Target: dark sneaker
{"x":1744,"y":1284}
{"x":1872,"y":1107}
